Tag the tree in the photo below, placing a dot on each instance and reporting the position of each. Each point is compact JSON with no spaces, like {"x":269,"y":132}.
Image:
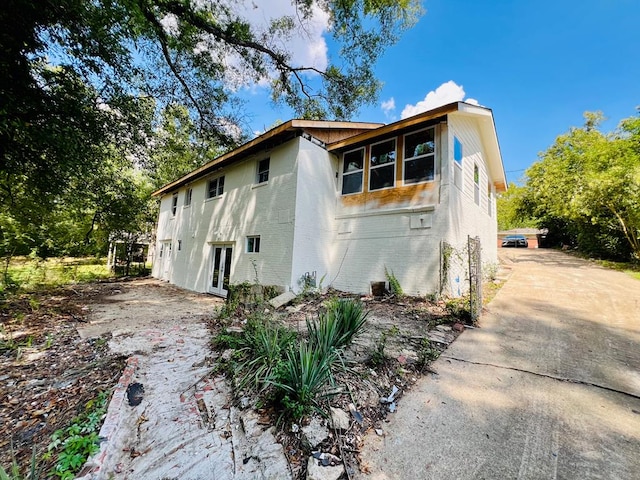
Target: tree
{"x":586,"y":187}
{"x":80,"y":78}
{"x":511,"y":213}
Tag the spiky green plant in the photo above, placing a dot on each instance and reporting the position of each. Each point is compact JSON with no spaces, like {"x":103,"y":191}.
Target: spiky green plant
{"x":266,"y":346}
{"x":14,"y":472}
{"x":336,"y":328}
{"x":303,"y":380}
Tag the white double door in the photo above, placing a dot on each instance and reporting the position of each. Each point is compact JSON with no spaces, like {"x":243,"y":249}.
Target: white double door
{"x":221,"y":256}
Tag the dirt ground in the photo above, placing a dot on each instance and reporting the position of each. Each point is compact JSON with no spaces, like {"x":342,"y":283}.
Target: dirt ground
{"x":69,"y":344}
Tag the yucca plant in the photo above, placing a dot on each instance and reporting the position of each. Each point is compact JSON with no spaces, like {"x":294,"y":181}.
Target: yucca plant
{"x":266,"y":345}
{"x":303,"y":379}
{"x":14,"y":471}
{"x":351,"y":319}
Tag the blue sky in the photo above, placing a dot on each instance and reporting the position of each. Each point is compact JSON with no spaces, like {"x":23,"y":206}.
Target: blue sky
{"x":537,"y":64}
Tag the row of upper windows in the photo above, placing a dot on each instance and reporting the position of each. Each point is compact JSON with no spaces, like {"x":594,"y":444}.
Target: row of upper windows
{"x":418,"y":159}
{"x":215,"y":186}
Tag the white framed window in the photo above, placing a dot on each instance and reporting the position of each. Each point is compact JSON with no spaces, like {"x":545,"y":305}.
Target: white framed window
{"x":188,"y":194}
{"x":253,"y":244}
{"x":262,"y":175}
{"x":215,"y":187}
{"x":489,"y":200}
{"x":174,"y":204}
{"x":382,"y":165}
{"x":419,"y":156}
{"x":352,"y":171}
{"x":457,"y":151}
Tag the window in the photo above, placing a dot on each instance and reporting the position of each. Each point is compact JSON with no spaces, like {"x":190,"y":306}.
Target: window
{"x":476,"y":184}
{"x":187,"y":197}
{"x":263,"y":171}
{"x":419,"y":156}
{"x":352,"y":171}
{"x":253,"y":244}
{"x":382,"y":165}
{"x":489,"y":200}
{"x":174,"y":204}
{"x":215,"y":187}
{"x":457,"y":150}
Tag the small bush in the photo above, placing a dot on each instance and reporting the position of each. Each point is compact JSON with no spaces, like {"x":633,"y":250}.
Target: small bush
{"x":266,"y":345}
{"x":73,"y":445}
{"x":394,"y":283}
{"x":303,"y":380}
{"x":343,"y":320}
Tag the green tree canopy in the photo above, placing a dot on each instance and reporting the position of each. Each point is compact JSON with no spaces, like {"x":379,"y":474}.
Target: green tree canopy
{"x":87,"y":86}
{"x":586,"y":188}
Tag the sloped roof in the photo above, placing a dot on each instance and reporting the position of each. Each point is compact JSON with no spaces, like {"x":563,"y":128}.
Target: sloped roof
{"x":339,"y":136}
{"x":325,"y":131}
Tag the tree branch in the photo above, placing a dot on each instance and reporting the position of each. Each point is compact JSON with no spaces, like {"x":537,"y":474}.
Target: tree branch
{"x":164,"y":44}
{"x":279,"y":60}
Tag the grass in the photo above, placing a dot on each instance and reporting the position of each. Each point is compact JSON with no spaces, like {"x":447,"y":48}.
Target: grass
{"x":27,"y":274}
{"x":631,"y":269}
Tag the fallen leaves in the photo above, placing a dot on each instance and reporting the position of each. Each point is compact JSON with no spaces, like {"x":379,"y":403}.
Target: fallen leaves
{"x":54,"y":374}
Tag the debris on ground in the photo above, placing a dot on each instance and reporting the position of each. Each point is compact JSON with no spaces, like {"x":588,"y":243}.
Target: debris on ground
{"x":55,"y":372}
{"x":49,"y":373}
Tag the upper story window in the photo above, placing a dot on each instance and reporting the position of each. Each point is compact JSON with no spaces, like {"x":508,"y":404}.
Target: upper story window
{"x":382,"y":165}
{"x":457,"y":150}
{"x":215,"y":187}
{"x":263,"y":171}
{"x":174,"y":204}
{"x":419,"y":156}
{"x":352,"y":171}
{"x":187,"y":197}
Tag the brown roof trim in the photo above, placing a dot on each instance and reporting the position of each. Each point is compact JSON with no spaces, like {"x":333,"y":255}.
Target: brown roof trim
{"x":279,"y":132}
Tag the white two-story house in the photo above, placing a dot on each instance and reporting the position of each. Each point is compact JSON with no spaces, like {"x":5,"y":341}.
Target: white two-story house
{"x":336,"y":203}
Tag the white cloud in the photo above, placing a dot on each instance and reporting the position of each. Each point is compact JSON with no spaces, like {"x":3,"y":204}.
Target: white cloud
{"x":448,"y":92}
{"x":388,"y":106}
{"x":170,"y":24}
{"x":306,"y":42}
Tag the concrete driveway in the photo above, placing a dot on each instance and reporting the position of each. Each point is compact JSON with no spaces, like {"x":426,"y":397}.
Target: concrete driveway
{"x":548,"y":387}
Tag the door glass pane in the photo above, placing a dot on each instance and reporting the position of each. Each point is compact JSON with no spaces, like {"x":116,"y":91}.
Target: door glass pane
{"x":227,"y":269}
{"x":216,"y":267}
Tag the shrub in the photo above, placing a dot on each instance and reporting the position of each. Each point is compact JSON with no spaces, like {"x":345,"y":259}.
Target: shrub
{"x":343,"y":320}
{"x":266,"y":345}
{"x":394,"y":283}
{"x":303,"y":379}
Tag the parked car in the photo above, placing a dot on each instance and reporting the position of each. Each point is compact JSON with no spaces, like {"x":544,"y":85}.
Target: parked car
{"x":515,"y":241}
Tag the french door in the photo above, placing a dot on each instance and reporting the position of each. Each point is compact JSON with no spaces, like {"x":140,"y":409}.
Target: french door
{"x":220,"y":269}
{"x":165,"y":258}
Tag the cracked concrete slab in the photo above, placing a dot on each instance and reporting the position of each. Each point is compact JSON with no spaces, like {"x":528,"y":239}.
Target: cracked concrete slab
{"x":548,"y":387}
{"x":185,"y":427}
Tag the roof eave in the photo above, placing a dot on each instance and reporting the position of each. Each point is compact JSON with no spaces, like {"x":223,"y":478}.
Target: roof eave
{"x":228,"y":157}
